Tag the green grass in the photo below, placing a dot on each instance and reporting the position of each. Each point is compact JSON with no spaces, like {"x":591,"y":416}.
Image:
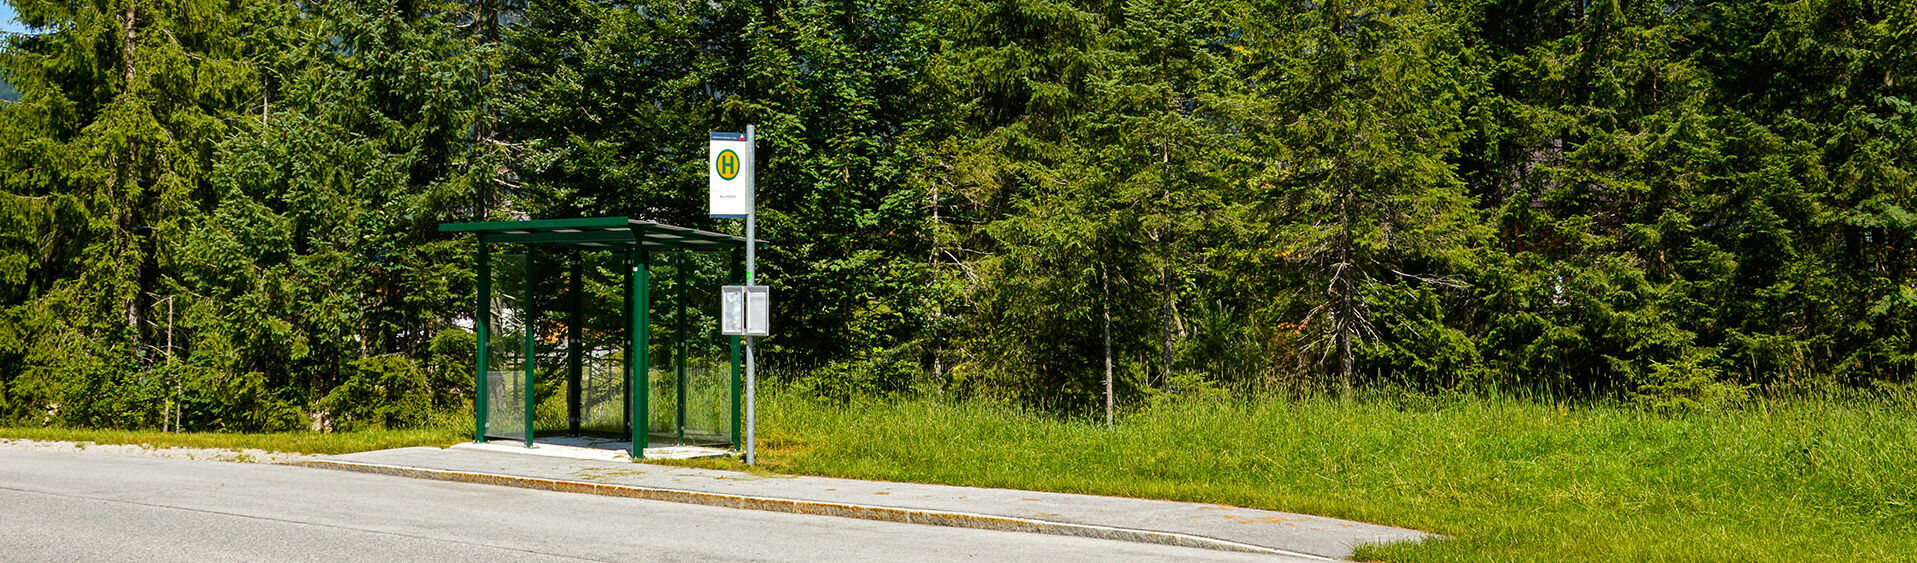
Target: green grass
{"x":1505,"y":479}
{"x":291,"y":442}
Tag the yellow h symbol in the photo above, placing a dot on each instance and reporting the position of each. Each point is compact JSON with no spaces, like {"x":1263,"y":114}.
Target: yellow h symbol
{"x":728,"y":164}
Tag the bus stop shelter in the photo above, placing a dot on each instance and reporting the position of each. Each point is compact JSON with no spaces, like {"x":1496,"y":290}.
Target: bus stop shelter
{"x":566,"y":339}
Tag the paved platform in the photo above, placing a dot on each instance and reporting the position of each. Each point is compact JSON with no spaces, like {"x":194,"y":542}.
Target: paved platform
{"x":1150,"y":521}
{"x":602,"y":449}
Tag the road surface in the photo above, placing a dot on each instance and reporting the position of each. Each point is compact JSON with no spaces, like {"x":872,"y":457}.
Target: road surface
{"x":80,"y":506}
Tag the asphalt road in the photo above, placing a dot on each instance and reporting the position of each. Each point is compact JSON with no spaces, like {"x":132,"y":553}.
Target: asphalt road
{"x":91,"y":507}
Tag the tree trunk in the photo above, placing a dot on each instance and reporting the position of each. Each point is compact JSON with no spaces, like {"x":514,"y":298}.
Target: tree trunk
{"x":938,"y":305}
{"x":1344,"y":355}
{"x":1165,"y":326}
{"x":1164,"y":270}
{"x":485,"y":192}
{"x":130,"y":220}
{"x":1105,"y":311}
{"x":126,"y":48}
{"x":1347,"y":307}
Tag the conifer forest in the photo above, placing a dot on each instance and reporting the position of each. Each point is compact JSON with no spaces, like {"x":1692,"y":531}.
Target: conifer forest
{"x":224,"y":212}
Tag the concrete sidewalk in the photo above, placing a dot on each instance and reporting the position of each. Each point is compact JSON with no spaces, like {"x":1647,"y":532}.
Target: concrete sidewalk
{"x":1150,"y":521}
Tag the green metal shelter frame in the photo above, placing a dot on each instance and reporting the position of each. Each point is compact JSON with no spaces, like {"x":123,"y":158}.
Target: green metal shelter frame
{"x":638,"y":241}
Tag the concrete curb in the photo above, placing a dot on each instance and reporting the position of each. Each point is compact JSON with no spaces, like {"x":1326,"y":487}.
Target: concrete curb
{"x":845,"y":510}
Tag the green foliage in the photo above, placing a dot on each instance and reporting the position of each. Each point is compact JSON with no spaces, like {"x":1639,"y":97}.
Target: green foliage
{"x":1688,"y":383}
{"x":871,"y":374}
{"x":449,"y":368}
{"x":384,"y":392}
{"x":103,"y":394}
{"x":223,"y":401}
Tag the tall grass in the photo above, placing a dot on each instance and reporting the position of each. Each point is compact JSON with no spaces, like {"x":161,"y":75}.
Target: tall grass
{"x":1505,"y":479}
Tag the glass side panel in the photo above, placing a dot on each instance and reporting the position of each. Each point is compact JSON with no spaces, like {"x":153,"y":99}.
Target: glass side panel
{"x":663,"y":406}
{"x":552,"y":298}
{"x":506,"y":349}
{"x":600,"y":402}
{"x":602,"y":396}
{"x":708,"y":355}
{"x":691,"y":374}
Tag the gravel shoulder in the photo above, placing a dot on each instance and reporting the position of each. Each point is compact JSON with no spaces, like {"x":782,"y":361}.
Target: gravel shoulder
{"x":248,"y":455}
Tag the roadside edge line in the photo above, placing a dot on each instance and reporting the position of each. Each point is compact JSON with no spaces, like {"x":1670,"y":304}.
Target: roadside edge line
{"x":823,"y":508}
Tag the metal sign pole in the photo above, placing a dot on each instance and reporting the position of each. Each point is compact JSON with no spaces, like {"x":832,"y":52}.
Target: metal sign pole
{"x":752,"y":212}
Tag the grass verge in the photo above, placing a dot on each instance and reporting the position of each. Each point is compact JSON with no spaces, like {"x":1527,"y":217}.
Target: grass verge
{"x":1505,"y":479}
{"x":292,"y":442}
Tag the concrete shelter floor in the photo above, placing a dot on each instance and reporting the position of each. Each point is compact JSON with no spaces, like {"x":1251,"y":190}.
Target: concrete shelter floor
{"x":590,"y":448}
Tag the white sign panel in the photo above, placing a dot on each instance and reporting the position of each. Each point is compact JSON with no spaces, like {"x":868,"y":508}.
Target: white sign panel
{"x":745,"y":310}
{"x":758,"y":310}
{"x":729,"y":167}
{"x":732,"y":316}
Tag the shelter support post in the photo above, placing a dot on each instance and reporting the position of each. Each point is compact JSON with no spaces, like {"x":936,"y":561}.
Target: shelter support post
{"x":482,"y":332}
{"x":625,"y":400}
{"x":639,"y":283}
{"x":679,"y":341}
{"x":530,"y":305}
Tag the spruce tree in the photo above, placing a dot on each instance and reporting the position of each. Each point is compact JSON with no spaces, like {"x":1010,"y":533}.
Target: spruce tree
{"x":122,"y":103}
{"x":1357,"y":115}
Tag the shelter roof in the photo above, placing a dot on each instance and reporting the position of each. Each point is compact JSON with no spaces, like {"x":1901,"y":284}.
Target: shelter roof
{"x":597,"y":233}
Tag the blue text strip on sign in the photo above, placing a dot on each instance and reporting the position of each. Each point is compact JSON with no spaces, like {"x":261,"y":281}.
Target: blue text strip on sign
{"x":717,"y":136}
